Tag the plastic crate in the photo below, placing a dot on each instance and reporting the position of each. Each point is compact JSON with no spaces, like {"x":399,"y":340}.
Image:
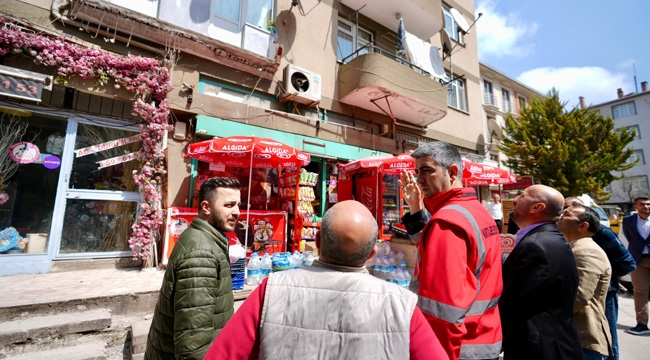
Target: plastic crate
{"x":237,"y":270}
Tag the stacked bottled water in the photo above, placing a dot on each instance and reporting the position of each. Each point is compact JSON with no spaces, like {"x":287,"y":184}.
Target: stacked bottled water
{"x":390,"y":266}
{"x":296,"y":260}
{"x":253,"y":274}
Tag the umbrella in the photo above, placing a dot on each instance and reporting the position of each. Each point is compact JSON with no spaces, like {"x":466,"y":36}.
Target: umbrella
{"x":401,"y":38}
{"x":475,"y":174}
{"x":388,"y":164}
{"x":247,"y":152}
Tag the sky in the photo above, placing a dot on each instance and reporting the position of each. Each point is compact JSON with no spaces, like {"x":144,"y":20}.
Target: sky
{"x":583,"y":48}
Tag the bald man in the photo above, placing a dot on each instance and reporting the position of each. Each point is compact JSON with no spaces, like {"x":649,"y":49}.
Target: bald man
{"x":332,"y":310}
{"x":540,"y":282}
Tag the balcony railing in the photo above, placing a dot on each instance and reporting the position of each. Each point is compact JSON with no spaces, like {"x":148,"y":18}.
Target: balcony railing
{"x":490,"y":99}
{"x":507,"y":106}
{"x":370,"y":48}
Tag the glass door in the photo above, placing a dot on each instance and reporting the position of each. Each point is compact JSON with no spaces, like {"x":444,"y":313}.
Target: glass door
{"x":99,"y":195}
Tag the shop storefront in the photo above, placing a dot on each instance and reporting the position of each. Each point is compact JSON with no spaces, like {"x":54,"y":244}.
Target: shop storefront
{"x":67,"y":187}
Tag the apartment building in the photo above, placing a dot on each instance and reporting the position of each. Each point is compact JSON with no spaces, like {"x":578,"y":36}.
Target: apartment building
{"x":502,"y":95}
{"x":630,"y":111}
{"x":323,"y":76}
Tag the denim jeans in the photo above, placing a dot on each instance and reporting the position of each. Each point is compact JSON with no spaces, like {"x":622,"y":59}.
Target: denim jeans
{"x":611,"y":312}
{"x":593,"y":355}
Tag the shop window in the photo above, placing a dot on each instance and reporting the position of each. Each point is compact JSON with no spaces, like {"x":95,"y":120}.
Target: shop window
{"x":30,"y":159}
{"x":99,"y":217}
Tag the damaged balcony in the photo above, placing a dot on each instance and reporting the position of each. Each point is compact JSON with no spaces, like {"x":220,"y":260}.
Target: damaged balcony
{"x":392,"y":86}
{"x":132,"y":27}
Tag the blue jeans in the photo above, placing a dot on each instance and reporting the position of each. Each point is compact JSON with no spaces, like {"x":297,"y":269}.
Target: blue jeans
{"x":593,"y":355}
{"x":611,"y":312}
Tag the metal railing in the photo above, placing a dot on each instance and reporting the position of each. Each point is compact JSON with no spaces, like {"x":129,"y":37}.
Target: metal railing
{"x":489,"y":99}
{"x":377,"y":50}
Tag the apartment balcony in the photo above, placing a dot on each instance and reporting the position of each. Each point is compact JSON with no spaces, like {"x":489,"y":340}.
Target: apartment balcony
{"x":490,"y":103}
{"x":507,"y":106}
{"x":384,"y":83}
{"x":421,"y":17}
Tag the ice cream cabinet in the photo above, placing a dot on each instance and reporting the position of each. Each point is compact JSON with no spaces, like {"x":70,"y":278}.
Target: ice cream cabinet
{"x":392,"y":206}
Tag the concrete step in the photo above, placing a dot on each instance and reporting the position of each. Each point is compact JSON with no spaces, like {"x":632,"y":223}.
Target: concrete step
{"x":139,"y":334}
{"x":86,"y":351}
{"x":39,"y":327}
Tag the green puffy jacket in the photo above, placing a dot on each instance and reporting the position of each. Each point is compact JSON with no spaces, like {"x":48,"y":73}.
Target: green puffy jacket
{"x":196,"y":298}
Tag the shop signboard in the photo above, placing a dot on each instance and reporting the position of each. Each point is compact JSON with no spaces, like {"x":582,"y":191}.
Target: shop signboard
{"x":266,"y":231}
{"x":23,"y":84}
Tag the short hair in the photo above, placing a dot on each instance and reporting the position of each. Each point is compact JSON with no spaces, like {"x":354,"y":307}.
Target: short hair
{"x":590,"y":216}
{"x":332,"y":242}
{"x":640,"y":197}
{"x":209,"y":188}
{"x":444,"y":153}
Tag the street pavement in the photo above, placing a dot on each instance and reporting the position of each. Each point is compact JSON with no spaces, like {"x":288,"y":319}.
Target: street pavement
{"x":54,"y":287}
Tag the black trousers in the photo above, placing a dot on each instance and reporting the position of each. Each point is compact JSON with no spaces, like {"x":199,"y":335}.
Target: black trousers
{"x":499,"y":224}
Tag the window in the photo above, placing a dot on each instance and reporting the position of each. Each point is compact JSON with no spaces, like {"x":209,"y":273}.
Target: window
{"x":638,"y":182}
{"x":451,"y":25}
{"x":622,"y":110}
{"x":243,"y":23}
{"x":522,"y":103}
{"x":346,"y":35}
{"x":456,"y":97}
{"x":489,"y":96}
{"x":494,"y":157}
{"x":637,"y":154}
{"x":632,"y":127}
{"x":507,"y":106}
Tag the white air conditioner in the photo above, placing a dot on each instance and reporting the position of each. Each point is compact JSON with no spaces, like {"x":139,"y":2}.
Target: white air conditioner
{"x":302,"y":86}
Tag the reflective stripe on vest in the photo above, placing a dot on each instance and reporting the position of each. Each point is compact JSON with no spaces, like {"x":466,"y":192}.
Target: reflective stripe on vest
{"x":481,"y":351}
{"x":454,"y":314}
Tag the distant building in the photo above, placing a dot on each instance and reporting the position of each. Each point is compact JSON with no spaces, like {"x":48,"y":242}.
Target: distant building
{"x":502,"y":94}
{"x":631,"y":111}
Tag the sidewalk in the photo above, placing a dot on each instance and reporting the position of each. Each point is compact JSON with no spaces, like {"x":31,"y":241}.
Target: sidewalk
{"x":78,"y":285}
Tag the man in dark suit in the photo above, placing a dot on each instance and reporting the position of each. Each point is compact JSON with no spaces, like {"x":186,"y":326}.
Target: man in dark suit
{"x":540,"y":282}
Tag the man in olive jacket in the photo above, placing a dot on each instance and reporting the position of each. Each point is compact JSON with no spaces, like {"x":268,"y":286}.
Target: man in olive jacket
{"x":196,"y":297}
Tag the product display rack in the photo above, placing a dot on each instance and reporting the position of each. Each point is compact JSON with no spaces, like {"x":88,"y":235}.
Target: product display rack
{"x":296,"y":196}
{"x":393,"y":205}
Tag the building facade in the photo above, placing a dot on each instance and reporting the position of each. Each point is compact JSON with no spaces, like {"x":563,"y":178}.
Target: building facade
{"x":325,"y":77}
{"x":501,"y":95}
{"x":630,"y":111}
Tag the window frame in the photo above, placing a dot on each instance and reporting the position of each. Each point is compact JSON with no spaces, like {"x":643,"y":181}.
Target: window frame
{"x":636,"y":182}
{"x":360,"y":41}
{"x":626,"y":105}
{"x":636,"y":129}
{"x":453,"y":88}
{"x":455,"y":34}
{"x":521,"y":99}
{"x":507,"y":104}
{"x":636,"y":154}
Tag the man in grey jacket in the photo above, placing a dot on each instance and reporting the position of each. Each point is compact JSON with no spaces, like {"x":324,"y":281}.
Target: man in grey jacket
{"x":196,"y":297}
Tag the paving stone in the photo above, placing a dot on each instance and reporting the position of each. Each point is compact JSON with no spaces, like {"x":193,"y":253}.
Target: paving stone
{"x":40,"y":327}
{"x":86,"y":351}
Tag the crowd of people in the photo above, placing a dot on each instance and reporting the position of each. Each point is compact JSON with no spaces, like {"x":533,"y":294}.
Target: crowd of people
{"x":553,"y":297}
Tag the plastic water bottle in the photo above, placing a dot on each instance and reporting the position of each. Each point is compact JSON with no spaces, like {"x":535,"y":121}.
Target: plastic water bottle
{"x":376,"y":267}
{"x":398,"y":277}
{"x":253,"y":277}
{"x":392,"y":277}
{"x":266,"y":266}
{"x":308,"y":259}
{"x":407,"y":278}
{"x":400,"y":258}
{"x":296,"y":262}
{"x":391,"y":261}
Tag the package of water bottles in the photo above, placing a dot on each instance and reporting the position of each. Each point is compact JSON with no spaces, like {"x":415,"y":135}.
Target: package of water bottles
{"x":260,"y":267}
{"x":390,"y":265}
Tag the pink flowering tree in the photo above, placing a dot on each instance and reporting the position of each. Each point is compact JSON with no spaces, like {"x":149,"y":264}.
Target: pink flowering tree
{"x":145,"y":77}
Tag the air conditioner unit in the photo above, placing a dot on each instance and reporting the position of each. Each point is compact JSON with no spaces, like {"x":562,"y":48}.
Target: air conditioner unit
{"x":302,"y":86}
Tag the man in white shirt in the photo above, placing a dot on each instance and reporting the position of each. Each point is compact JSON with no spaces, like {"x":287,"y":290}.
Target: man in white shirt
{"x":495,"y":209}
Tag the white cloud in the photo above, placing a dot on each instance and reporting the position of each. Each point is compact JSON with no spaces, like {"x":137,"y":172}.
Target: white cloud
{"x":595,"y":84}
{"x":502,"y":35}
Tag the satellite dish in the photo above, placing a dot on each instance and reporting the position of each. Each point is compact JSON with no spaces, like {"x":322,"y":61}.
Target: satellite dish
{"x":495,"y":130}
{"x":446,"y":43}
{"x":460,"y":20}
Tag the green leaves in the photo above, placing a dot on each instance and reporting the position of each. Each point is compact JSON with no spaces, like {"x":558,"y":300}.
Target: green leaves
{"x":573,"y":151}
